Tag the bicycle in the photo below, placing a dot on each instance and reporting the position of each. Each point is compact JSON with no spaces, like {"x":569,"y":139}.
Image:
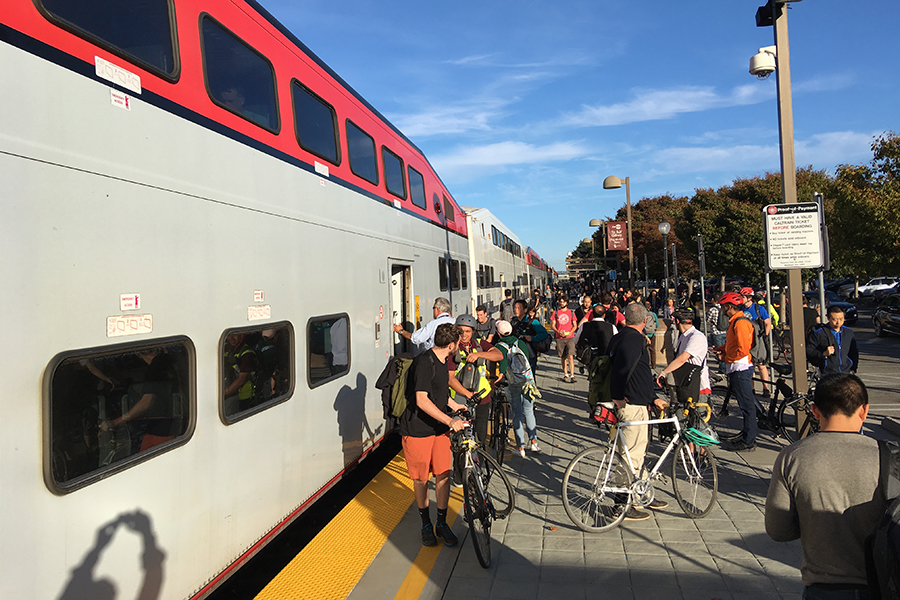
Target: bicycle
{"x":780,"y":418}
{"x":499,"y":422}
{"x":600,"y":484}
{"x":487,"y":492}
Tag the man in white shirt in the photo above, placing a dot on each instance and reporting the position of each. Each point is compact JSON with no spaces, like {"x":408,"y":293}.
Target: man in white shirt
{"x":691,"y":348}
{"x":423,"y":338}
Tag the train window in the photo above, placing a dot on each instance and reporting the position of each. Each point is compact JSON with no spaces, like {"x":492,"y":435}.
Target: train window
{"x":479,"y":276}
{"x":329,"y":348}
{"x":393,"y":173}
{"x":442,"y":273}
{"x":316,"y":124}
{"x":140,"y":32}
{"x":112,"y":408}
{"x":465,"y":275}
{"x":416,"y":188}
{"x":448,"y":210}
{"x":257,"y":369}
{"x":361,"y":150}
{"x":238,"y":78}
{"x":454,"y":274}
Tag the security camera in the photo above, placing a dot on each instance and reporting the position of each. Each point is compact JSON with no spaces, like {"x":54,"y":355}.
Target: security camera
{"x":762,"y":64}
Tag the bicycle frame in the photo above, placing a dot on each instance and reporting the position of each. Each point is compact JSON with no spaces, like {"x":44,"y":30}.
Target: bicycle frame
{"x":672,"y":443}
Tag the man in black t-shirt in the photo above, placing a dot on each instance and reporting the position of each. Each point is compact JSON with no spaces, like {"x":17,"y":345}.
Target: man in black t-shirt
{"x":424,"y":428}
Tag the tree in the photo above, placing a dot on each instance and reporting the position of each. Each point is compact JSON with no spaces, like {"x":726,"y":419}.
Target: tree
{"x":866,"y":233}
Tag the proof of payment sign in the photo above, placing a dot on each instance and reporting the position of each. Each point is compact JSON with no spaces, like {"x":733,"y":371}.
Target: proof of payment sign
{"x":794,"y":236}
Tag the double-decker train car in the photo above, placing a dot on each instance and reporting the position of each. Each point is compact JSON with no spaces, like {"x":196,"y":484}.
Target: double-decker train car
{"x":497,"y":257}
{"x":538,"y":270}
{"x":206,"y":236}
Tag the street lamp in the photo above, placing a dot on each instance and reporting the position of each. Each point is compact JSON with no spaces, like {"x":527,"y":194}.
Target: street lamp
{"x":602,"y":225}
{"x":613,"y":183}
{"x":664,"y":229}
{"x":774,"y":13}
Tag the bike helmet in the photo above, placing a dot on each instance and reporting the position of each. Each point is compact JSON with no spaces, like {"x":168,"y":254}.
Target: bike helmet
{"x":685,"y":313}
{"x":466,"y":321}
{"x":731,"y":298}
{"x":746,"y":291}
{"x":701,"y":437}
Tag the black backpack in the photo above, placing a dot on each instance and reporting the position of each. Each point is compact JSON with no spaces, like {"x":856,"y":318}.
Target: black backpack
{"x":883,"y":545}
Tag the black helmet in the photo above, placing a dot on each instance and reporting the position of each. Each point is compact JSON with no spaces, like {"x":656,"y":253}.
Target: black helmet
{"x":466,"y":321}
{"x":683,"y":314}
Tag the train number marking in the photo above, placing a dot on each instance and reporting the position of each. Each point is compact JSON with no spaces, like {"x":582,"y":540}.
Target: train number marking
{"x":258,"y":313}
{"x":119,"y":325}
{"x":110,"y":72}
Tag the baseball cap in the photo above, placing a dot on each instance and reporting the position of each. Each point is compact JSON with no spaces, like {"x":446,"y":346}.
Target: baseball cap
{"x":504,"y":328}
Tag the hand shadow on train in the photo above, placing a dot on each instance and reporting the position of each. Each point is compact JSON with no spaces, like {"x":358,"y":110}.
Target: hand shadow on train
{"x":83,"y":584}
{"x":350,"y":405}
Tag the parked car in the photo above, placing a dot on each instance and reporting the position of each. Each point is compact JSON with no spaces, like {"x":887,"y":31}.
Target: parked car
{"x":887,"y":316}
{"x":876,"y":283}
{"x":879,"y":295}
{"x":851,"y":315}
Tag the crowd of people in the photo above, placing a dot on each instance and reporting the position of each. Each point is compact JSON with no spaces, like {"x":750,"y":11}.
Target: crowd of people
{"x":823,"y":475}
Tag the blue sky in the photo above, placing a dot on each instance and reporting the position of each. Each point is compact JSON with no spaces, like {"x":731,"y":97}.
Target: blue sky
{"x":525,"y":107}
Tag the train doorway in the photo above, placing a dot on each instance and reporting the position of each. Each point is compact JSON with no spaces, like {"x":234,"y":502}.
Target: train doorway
{"x":401,"y":305}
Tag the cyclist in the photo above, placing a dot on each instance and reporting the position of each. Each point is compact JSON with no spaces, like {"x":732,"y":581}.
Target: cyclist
{"x":691,"y":348}
{"x":739,"y":367}
{"x":479,"y":352}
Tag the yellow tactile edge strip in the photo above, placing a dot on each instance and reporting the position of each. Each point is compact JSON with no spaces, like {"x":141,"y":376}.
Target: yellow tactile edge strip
{"x":334,"y":561}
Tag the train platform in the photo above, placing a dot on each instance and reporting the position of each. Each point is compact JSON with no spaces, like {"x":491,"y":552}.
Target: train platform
{"x":373,"y":551}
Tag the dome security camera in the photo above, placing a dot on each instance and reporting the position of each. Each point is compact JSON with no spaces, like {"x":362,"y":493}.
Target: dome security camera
{"x":762,"y":64}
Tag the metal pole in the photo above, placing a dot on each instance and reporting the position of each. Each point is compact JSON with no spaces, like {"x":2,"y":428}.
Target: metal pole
{"x":630,"y":245}
{"x":701,"y":257}
{"x":789,"y":191}
{"x":675,"y":271}
{"x":646,"y":278}
{"x":769,"y":310}
{"x":822,"y":317}
{"x":666,"y":265}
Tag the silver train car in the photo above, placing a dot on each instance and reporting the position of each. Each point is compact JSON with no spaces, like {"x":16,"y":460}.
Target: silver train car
{"x":206,"y":235}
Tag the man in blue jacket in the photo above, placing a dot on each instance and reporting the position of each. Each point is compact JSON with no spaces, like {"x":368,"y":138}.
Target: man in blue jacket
{"x":831,"y":346}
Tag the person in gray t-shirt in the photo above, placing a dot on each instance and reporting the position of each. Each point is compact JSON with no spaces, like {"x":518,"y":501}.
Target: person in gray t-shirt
{"x":825,"y":491}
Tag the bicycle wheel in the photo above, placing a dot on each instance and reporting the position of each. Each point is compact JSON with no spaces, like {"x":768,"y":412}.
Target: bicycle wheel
{"x":499,"y":431}
{"x":695,"y":480}
{"x":597,"y":489}
{"x":788,"y":413}
{"x":478,"y":517}
{"x":496,"y":484}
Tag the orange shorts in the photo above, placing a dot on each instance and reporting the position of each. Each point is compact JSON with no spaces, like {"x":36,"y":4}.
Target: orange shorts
{"x":427,"y":455}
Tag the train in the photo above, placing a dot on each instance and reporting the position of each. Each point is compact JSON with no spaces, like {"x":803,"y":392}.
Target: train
{"x":207,"y":235}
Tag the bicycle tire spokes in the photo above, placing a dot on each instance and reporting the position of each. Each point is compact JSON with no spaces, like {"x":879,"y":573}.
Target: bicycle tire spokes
{"x":695,"y":479}
{"x":478,"y":517}
{"x":597,"y":489}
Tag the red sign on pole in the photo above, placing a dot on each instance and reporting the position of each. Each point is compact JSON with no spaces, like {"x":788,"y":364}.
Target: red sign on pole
{"x":616,"y":235}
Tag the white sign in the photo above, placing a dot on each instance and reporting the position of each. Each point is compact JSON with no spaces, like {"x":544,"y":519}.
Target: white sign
{"x":120,"y":325}
{"x":794,"y":236}
{"x":321,"y":169}
{"x":258,"y":313}
{"x":129,"y":302}
{"x":258,"y":296}
{"x":119,"y":99}
{"x":118,"y":75}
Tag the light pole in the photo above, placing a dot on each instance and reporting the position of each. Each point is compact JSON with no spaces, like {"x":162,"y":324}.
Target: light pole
{"x":602,"y":225}
{"x":664,"y":228}
{"x":613,"y":183}
{"x":774,"y":13}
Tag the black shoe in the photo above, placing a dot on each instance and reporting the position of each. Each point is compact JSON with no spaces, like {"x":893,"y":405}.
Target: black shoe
{"x":739,"y":446}
{"x":733,"y":438}
{"x":428,"y":538}
{"x":581,"y":369}
{"x":444,"y":532}
{"x":634,"y":514}
{"x":657,"y":505}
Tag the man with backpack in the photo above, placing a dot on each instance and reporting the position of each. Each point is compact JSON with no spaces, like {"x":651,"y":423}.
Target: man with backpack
{"x":469,"y":365}
{"x":424,"y":428}
{"x":735,"y":354}
{"x":530,"y":331}
{"x":506,"y":307}
{"x":832,"y":346}
{"x":763,"y":325}
{"x":515,"y":366}
{"x":825,"y":491}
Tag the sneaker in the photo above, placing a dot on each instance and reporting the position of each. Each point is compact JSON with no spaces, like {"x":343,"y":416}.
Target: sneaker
{"x":657,"y":504}
{"x":534,"y":446}
{"x":428,"y":538}
{"x":444,"y":532}
{"x":739,"y":446}
{"x":634,"y":514}
{"x":522,"y":451}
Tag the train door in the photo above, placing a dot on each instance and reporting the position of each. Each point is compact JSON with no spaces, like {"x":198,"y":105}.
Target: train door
{"x":401,"y":305}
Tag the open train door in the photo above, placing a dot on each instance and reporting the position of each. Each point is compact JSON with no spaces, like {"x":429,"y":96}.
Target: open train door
{"x":401,"y":305}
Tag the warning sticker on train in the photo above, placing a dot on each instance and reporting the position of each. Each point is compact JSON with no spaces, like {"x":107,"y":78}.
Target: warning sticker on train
{"x":120,"y":325}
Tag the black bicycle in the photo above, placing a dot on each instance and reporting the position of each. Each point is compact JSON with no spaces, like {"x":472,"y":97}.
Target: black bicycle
{"x":785,"y":407}
{"x":498,"y":437}
{"x":487,"y":492}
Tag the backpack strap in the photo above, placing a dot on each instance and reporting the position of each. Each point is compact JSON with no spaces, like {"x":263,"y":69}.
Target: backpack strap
{"x":889,"y":469}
